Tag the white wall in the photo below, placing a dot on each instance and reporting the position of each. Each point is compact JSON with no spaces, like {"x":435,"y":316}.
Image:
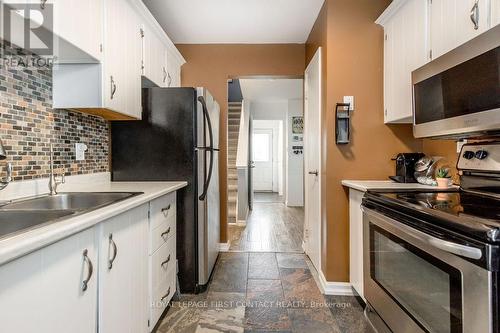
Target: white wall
{"x":295,"y":163}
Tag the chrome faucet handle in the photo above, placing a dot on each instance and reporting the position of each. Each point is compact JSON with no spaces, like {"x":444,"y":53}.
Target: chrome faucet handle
{"x":5,"y":181}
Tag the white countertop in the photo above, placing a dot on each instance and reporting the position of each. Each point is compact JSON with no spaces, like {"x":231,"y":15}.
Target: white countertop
{"x":29,"y":241}
{"x":365,"y":185}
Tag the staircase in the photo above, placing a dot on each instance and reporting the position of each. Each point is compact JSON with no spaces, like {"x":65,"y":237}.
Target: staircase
{"x":234,"y":114}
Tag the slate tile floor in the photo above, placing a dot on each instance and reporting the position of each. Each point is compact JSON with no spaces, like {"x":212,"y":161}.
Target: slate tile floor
{"x":264,"y":292}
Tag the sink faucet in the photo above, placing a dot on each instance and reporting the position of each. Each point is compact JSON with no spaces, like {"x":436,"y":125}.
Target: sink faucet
{"x":5,"y":181}
{"x":53,"y":181}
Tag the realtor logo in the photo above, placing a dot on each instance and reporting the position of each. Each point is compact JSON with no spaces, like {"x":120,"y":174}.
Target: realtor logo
{"x":27,"y":30}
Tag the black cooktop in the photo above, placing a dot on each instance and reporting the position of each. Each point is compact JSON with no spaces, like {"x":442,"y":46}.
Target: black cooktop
{"x":470,"y":214}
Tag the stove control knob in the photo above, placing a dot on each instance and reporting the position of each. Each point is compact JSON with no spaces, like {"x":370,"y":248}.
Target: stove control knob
{"x":481,"y":154}
{"x":469,"y":155}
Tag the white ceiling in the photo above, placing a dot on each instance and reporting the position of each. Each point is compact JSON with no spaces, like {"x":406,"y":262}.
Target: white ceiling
{"x":236,"y":21}
{"x":271,"y":90}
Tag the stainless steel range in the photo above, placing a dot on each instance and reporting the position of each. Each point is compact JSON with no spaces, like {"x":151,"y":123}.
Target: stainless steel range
{"x":432,"y":259}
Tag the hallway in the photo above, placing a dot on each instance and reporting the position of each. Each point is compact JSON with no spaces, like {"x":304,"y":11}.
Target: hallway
{"x":271,"y":227}
{"x":264,"y":292}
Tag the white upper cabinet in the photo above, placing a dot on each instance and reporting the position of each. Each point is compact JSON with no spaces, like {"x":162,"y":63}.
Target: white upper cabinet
{"x":495,"y":12}
{"x":133,"y":45}
{"x":405,"y":49}
{"x":53,"y":289}
{"x":78,"y":23}
{"x":453,"y":22}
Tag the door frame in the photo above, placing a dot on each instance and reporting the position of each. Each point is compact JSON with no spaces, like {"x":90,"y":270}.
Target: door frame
{"x":307,"y":225}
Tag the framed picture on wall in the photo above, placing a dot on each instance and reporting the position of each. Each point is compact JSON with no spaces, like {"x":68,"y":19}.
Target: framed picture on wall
{"x":298,"y":125}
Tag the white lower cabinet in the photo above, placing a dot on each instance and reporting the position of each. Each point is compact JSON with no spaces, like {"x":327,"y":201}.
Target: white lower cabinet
{"x":123,"y":273}
{"x":356,"y":241}
{"x":162,"y":259}
{"x":117,"y":276}
{"x":44,"y":291}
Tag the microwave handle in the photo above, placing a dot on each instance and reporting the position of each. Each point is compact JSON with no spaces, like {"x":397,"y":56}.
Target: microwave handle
{"x":447,"y":246}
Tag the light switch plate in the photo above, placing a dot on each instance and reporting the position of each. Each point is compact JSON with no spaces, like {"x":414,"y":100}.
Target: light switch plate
{"x":80,"y":149}
{"x":350,"y":100}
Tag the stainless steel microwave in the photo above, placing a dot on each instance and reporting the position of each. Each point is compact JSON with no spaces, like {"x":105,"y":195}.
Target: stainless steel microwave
{"x":458,"y":94}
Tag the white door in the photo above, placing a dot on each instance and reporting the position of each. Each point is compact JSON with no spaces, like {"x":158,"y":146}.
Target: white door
{"x":262,"y":150}
{"x":312,"y":159}
{"x":123,"y":272}
{"x":43,"y":291}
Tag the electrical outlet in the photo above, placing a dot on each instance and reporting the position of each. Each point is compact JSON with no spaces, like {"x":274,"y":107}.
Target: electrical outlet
{"x":350,"y":100}
{"x":80,"y":149}
{"x":460,"y":145}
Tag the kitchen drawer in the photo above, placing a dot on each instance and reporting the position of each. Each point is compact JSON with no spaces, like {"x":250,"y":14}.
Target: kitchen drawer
{"x":162,"y":208}
{"x":162,"y":296}
{"x":163,"y":233}
{"x":159,"y":272}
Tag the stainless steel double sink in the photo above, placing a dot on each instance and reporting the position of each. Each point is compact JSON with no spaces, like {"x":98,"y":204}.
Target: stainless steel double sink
{"x":25,"y":214}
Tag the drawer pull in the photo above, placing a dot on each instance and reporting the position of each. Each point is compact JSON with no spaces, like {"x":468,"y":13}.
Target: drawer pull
{"x":166,"y":261}
{"x":90,"y":270}
{"x":165,"y":233}
{"x":166,"y":210}
{"x":112,"y":244}
{"x":166,"y":295}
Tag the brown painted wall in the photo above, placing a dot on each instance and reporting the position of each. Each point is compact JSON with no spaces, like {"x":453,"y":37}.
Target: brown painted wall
{"x":211,"y":65}
{"x":354,"y":54}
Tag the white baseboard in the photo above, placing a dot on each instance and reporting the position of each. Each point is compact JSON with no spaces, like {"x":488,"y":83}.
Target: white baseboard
{"x":224,"y":247}
{"x":334,"y":288}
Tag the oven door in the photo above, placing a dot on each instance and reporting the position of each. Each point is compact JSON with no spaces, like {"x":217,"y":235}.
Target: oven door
{"x":417,"y":283}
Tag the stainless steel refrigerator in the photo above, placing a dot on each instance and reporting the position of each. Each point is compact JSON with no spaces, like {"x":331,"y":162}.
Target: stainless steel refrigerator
{"x":178,"y":140}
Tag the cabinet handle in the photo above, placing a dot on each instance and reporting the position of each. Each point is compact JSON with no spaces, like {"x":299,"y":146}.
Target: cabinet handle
{"x":87,"y":260}
{"x":115,"y":251}
{"x":42,"y":4}
{"x":166,"y":210}
{"x":113,"y":87}
{"x":165,"y":233}
{"x":474,"y":15}
{"x":166,"y":261}
{"x":166,"y":295}
{"x":164,"y":75}
{"x":169,"y":79}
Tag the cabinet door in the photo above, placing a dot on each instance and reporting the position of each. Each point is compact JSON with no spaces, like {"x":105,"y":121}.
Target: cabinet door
{"x":115,"y":49}
{"x":405,"y":50}
{"x":123,"y":273}
{"x":173,"y":69}
{"x":452,"y":25}
{"x":153,"y":58}
{"x":495,"y":12}
{"x":42,"y":292}
{"x":80,"y":23}
{"x":133,"y":61}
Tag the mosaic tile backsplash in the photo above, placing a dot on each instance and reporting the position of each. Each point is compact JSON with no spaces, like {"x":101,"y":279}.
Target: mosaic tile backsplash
{"x":28,"y":124}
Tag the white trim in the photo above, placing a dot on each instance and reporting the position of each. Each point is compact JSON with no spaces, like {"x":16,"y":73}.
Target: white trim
{"x":334,"y":288}
{"x":224,"y":247}
{"x":390,"y":11}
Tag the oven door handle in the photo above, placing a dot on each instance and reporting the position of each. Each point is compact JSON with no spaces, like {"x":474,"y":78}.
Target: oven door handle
{"x":447,"y":246}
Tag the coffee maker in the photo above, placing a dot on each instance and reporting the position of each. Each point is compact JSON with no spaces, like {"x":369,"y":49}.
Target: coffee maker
{"x":405,"y":167}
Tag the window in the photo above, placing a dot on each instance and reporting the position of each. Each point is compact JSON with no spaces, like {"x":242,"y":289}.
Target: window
{"x":260,"y":146}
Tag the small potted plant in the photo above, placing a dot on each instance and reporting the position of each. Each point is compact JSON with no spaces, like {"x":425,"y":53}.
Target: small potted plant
{"x":443,"y":178}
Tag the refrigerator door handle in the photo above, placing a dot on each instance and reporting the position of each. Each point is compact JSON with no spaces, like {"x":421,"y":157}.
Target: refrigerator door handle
{"x":209,"y":176}
{"x":210,"y":148}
